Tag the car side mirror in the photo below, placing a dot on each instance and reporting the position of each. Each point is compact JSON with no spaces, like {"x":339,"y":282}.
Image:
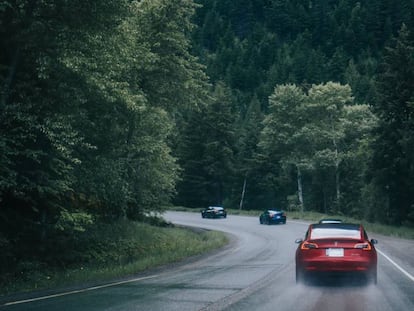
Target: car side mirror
{"x":373,"y":241}
{"x":298,"y":241}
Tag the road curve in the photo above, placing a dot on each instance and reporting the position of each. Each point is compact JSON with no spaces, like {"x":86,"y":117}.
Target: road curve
{"x":256,"y":272}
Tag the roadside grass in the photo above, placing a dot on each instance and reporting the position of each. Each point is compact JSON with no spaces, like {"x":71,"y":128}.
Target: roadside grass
{"x":403,"y":232}
{"x":115,"y":252}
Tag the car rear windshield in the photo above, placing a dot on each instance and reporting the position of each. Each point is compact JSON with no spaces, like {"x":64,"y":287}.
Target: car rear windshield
{"x":335,"y":231}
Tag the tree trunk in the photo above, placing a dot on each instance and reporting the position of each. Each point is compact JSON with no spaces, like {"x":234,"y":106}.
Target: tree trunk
{"x":243,"y":191}
{"x":338,"y":189}
{"x":337,"y":162}
{"x":337,"y":179}
{"x":300,"y":191}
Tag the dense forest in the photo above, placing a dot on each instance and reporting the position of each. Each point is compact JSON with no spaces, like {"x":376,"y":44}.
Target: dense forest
{"x":115,"y":109}
{"x":314,"y":108}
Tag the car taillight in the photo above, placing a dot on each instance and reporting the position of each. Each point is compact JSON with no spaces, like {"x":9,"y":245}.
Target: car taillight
{"x":307,"y":245}
{"x":364,"y":246}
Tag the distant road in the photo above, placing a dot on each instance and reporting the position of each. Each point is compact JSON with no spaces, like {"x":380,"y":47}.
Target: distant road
{"x":255,"y":272}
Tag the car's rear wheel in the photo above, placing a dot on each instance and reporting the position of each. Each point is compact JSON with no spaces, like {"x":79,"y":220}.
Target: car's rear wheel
{"x":372,"y":277}
{"x":300,"y":276}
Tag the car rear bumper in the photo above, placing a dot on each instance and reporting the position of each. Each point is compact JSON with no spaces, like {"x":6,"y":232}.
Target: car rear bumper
{"x":211,"y":215}
{"x":338,"y":265}
{"x":277,"y":220}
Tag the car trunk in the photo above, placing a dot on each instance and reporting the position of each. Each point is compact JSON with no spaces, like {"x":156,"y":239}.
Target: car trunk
{"x":338,"y":255}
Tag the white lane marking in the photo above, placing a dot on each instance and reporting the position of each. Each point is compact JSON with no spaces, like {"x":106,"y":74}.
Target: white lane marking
{"x":236,"y":249}
{"x":397,"y":266}
{"x":78,"y":291}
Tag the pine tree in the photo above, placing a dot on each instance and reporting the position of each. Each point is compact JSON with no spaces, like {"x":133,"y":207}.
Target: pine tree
{"x":393,"y":160}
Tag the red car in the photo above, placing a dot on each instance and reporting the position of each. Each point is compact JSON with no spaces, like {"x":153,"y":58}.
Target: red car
{"x":336,"y":248}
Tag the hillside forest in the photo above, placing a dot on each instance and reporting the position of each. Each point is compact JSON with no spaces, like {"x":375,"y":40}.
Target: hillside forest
{"x":115,"y":109}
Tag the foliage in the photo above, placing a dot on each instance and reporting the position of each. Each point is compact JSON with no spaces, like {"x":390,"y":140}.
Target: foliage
{"x":90,"y":95}
{"x":207,"y":152}
{"x":392,"y":161}
{"x":266,"y":43}
{"x":316,"y":134}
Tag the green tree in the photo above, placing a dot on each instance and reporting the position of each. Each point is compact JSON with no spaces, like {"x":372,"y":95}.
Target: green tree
{"x":326,"y":108}
{"x":318,"y":134}
{"x":393,"y":147}
{"x":358,"y":123}
{"x":192,"y":190}
{"x":342,"y":132}
{"x":207,"y":150}
{"x":247,"y":171}
{"x":41,"y":97}
{"x":282,"y":140}
{"x":172,"y":77}
{"x":220,"y":143}
{"x":147,"y":77}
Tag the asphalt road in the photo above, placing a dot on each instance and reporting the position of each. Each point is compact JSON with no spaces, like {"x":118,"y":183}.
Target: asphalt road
{"x":255,"y":272}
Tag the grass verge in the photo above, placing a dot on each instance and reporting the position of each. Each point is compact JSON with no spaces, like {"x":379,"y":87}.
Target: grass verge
{"x":114,"y":252}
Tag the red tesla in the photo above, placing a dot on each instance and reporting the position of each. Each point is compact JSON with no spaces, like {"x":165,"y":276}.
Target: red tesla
{"x":336,"y":248}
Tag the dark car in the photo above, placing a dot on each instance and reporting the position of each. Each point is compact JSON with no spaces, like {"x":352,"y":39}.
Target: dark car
{"x":214,"y":212}
{"x":270,"y":216}
{"x":336,"y":248}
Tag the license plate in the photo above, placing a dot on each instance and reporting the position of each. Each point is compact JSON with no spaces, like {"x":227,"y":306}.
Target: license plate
{"x":335,"y":252}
